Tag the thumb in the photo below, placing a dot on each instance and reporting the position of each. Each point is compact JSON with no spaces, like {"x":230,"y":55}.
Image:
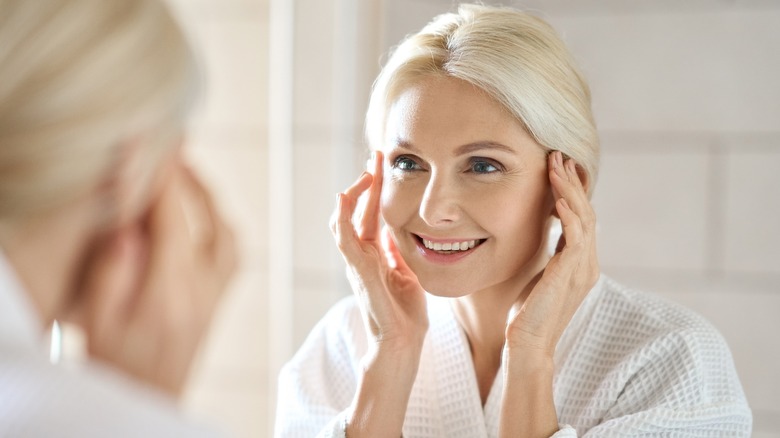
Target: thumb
{"x":110,"y":284}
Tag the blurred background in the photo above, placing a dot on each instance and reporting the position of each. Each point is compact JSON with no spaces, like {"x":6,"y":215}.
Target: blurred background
{"x":687,"y":99}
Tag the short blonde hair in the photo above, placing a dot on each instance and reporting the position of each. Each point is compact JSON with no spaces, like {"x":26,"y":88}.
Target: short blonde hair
{"x":77,"y":79}
{"x":516,"y":58}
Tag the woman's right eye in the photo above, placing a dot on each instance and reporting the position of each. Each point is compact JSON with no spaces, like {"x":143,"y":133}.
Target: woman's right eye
{"x":405,"y":164}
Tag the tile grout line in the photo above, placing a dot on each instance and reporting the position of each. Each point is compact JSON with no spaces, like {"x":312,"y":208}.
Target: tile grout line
{"x":717,"y":180}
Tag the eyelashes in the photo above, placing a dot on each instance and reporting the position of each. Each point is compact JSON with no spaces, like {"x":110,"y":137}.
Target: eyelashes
{"x":406,"y":163}
{"x":475,"y":165}
{"x":481,"y":165}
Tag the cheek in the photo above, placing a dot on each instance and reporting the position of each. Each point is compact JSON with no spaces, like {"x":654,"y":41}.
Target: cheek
{"x":399,"y":202}
{"x":520,"y":213}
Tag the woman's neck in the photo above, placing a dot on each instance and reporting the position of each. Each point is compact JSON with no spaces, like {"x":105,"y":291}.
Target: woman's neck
{"x":45,"y":255}
{"x":483,"y":317}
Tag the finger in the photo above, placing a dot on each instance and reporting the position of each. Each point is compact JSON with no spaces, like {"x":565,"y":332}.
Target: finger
{"x":369,"y":224}
{"x":552,"y":169}
{"x":201,"y":209}
{"x":167,"y":221}
{"x":583,"y":207}
{"x":110,"y":287}
{"x":215,"y":234}
{"x":571,"y":224}
{"x":566,"y":181}
{"x":359,"y":186}
{"x":343,"y":229}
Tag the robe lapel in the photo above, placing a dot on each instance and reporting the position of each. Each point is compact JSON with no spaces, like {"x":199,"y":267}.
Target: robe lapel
{"x":493,"y":404}
{"x":446,"y":385}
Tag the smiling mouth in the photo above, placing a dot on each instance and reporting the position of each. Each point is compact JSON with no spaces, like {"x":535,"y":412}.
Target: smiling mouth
{"x":450,"y":247}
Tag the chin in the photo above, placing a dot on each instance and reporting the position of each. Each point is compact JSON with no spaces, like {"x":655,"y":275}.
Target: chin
{"x":445,"y":289}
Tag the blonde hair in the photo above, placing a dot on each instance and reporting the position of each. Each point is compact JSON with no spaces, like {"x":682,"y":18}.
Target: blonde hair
{"x":516,"y":58}
{"x":77,"y":79}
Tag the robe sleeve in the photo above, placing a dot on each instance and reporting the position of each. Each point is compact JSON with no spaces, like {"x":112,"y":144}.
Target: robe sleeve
{"x":317,"y":386}
{"x":686,"y":386}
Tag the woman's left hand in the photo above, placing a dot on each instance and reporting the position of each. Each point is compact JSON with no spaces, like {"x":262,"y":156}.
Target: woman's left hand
{"x":539,"y":318}
{"x":538,"y":321}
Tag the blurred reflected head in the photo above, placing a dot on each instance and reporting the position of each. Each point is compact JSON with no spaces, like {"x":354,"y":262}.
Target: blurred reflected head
{"x":516,"y":58}
{"x":80,"y":80}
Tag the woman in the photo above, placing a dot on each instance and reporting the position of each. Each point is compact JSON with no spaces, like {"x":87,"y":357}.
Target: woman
{"x":483,"y":139}
{"x":101,"y":222}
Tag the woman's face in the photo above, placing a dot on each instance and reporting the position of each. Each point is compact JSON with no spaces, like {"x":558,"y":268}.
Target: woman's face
{"x":466,"y":194}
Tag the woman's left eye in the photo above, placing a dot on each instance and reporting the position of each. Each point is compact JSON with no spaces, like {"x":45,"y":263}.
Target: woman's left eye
{"x":483,"y":166}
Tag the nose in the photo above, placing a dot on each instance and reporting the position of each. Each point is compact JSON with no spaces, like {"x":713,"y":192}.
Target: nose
{"x":440,"y":205}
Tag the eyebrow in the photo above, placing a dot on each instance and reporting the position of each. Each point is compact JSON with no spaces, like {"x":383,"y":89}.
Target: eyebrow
{"x":464,"y":149}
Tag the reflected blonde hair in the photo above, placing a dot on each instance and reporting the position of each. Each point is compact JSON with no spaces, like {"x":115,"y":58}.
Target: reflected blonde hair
{"x":78,"y":79}
{"x":516,"y":58}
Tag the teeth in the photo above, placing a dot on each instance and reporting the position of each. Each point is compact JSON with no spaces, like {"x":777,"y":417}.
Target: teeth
{"x":450,"y":246}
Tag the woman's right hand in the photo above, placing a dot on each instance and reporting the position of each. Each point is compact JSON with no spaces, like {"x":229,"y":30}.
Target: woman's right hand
{"x":392,"y":303}
{"x":391,"y":298}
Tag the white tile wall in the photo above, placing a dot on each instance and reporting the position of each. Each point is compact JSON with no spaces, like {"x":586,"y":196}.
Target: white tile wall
{"x":652,"y":209}
{"x":700,"y":71}
{"x":313,"y":102}
{"x":315,"y":200}
{"x":236,"y":57}
{"x":752,"y":198}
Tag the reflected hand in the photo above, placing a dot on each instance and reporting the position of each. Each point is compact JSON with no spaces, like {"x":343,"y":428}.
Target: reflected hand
{"x":151,"y":290}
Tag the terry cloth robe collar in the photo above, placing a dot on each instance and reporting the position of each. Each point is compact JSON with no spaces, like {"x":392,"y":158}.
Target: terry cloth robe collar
{"x":446,"y":388}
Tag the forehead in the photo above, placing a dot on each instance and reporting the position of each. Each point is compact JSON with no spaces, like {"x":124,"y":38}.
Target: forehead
{"x":445,"y":113}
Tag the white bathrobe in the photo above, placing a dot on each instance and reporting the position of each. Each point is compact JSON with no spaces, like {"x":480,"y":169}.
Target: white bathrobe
{"x":629,"y":364}
{"x":38,"y":399}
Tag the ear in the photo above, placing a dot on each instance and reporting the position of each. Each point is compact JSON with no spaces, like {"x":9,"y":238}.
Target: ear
{"x":138,"y":175}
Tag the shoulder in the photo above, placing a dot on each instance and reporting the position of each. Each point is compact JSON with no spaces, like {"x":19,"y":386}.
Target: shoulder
{"x":41,"y":399}
{"x":643,"y":317}
{"x":338,"y":339}
{"x":638,"y":361}
{"x":341,"y":323}
{"x":665,"y":350}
